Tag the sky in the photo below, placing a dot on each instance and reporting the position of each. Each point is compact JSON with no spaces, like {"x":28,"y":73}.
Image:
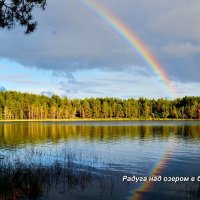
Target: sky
{"x":74,"y":53}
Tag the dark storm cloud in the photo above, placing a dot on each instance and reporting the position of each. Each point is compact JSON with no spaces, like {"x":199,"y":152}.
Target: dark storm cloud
{"x":70,"y":38}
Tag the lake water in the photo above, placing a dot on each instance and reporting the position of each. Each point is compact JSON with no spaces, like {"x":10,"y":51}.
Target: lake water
{"x":87,"y":160}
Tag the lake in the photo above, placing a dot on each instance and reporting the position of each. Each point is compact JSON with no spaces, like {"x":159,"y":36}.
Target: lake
{"x":83,"y":160}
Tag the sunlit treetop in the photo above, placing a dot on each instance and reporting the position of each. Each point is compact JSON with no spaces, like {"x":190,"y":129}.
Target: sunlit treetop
{"x":19,"y":11}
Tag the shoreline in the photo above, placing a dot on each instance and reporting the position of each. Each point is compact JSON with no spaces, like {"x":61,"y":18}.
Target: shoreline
{"x":89,"y":119}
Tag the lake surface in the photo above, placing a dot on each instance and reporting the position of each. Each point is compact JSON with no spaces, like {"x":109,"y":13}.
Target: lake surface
{"x":87,"y":160}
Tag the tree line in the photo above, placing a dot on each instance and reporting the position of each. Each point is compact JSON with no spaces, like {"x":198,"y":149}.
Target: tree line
{"x":17,"y":105}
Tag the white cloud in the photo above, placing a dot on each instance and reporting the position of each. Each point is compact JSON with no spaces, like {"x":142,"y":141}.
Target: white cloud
{"x":126,"y":84}
{"x":187,"y":89}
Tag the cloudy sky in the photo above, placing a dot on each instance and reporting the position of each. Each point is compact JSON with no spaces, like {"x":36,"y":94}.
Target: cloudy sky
{"x":74,"y":53}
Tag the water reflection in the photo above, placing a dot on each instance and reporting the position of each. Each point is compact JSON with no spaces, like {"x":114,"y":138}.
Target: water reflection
{"x":22,"y":181}
{"x":101,"y":152}
{"x":12,"y":134}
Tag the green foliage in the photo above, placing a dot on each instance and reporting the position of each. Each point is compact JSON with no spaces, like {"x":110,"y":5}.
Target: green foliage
{"x":16,"y":105}
{"x":12,"y":11}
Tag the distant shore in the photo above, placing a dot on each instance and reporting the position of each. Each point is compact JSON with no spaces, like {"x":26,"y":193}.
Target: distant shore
{"x":88,"y":119}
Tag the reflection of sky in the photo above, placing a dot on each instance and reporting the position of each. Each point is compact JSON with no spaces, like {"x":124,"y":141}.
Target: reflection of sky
{"x":129,"y":156}
{"x":184,"y":163}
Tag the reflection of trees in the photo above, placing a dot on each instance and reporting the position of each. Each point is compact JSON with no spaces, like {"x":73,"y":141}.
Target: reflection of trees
{"x":19,"y":133}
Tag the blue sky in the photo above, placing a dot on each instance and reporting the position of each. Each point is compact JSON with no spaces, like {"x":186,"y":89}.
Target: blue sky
{"x":74,"y":54}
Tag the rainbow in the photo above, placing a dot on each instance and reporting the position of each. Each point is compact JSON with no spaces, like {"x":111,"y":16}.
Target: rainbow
{"x":132,"y":40}
{"x":136,"y":45}
{"x":163,"y":161}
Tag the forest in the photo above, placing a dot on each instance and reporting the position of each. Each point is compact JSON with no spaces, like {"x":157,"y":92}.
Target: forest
{"x":17,"y":105}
